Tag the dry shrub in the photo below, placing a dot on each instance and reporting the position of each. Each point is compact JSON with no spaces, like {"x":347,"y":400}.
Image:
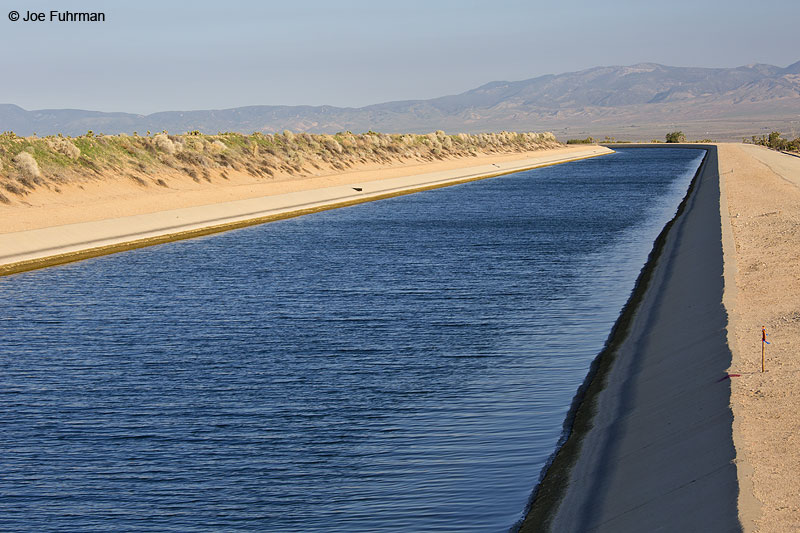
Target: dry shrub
{"x":192,"y":142}
{"x":217,"y":147}
{"x":348,"y":140}
{"x":27,"y":165}
{"x":332,"y":144}
{"x":193,"y":158}
{"x":164,"y":143}
{"x":64,"y":146}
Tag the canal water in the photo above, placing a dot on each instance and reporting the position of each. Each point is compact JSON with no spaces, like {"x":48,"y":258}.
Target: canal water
{"x":401,"y":365}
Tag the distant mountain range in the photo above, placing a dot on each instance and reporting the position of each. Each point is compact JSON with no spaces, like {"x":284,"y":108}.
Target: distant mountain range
{"x":622,"y":101}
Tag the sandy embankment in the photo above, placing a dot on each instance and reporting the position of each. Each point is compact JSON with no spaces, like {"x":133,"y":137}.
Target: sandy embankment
{"x":96,"y":219}
{"x":762,"y":191}
{"x":652,"y":446}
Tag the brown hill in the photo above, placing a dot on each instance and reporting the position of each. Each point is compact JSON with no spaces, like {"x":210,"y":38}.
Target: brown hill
{"x":638,"y":102}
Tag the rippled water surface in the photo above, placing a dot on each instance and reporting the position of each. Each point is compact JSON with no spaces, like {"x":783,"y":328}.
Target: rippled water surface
{"x":401,"y":365}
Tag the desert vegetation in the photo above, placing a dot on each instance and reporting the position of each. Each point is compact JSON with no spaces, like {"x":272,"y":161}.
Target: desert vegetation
{"x":776,"y":141}
{"x":675,"y":137}
{"x":28,"y":163}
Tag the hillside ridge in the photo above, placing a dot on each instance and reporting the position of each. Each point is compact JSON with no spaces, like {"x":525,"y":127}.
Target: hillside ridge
{"x":600,"y":97}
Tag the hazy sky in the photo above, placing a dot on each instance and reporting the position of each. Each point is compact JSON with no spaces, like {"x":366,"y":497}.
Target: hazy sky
{"x":179,"y":55}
